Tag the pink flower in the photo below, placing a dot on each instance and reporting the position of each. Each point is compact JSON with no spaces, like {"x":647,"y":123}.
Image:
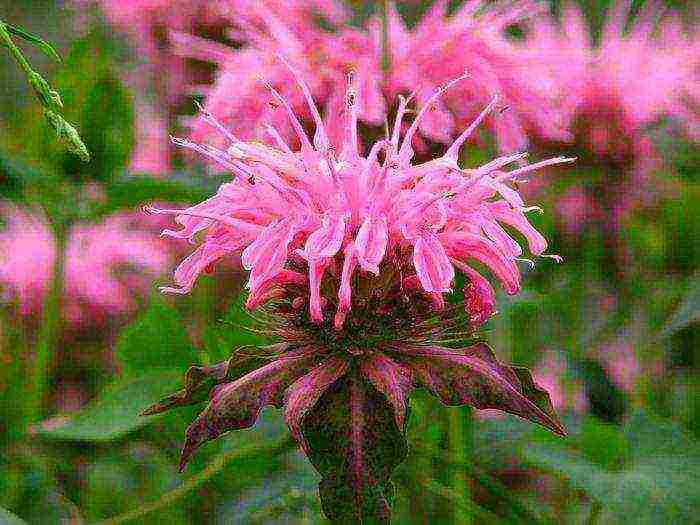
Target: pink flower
{"x":107,"y":265}
{"x":472,"y":39}
{"x":596,"y":88}
{"x":27,"y":252}
{"x":621,"y":363}
{"x":310,"y":212}
{"x":353,"y":256}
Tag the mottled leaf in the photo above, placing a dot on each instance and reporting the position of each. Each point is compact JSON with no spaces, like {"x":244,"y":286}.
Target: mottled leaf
{"x":354,"y":443}
{"x":301,"y":397}
{"x":236,"y":405}
{"x":199,"y":380}
{"x":473,"y":376}
{"x":391,"y":378}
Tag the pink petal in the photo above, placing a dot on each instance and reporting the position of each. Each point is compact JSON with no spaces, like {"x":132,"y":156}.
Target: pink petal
{"x":433,"y":267}
{"x":371,"y":242}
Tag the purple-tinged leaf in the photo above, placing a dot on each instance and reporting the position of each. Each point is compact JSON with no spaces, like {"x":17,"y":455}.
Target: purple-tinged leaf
{"x":236,"y":405}
{"x":354,"y":443}
{"x":301,"y":397}
{"x":391,"y":378}
{"x":199,"y":380}
{"x":473,"y":376}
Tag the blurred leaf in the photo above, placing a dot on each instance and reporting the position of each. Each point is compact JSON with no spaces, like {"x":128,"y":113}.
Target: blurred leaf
{"x":7,"y":518}
{"x":658,"y":486}
{"x":42,"y":44}
{"x":156,"y":340}
{"x":688,"y":312}
{"x":116,"y":411}
{"x":127,"y":478}
{"x":137,"y":190}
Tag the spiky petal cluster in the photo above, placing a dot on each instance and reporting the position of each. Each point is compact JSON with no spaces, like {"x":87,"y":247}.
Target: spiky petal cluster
{"x":473,"y":38}
{"x":297,"y":216}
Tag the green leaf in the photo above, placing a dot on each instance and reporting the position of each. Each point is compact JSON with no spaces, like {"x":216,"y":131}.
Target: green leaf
{"x":116,"y":411}
{"x":42,"y":44}
{"x":7,"y":518}
{"x":688,"y":312}
{"x":156,"y":340}
{"x":658,"y":486}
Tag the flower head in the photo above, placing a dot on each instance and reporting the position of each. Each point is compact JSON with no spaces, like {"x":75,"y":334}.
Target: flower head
{"x":352,"y":258}
{"x":107,"y":265}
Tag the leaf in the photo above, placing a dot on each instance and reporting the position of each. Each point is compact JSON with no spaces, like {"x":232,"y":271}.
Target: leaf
{"x":42,"y":44}
{"x":199,"y":380}
{"x":156,"y":340}
{"x":354,"y":443}
{"x":236,"y":405}
{"x":7,"y":518}
{"x":658,"y":486}
{"x":473,"y":376}
{"x":116,"y":411}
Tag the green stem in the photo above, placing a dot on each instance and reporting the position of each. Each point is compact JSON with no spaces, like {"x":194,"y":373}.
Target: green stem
{"x":217,"y":464}
{"x":49,"y":332}
{"x":386,"y":55}
{"x":7,"y":41}
{"x":459,"y":438}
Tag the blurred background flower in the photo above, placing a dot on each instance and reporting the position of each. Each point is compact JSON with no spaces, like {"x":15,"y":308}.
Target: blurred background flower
{"x":86,"y":342}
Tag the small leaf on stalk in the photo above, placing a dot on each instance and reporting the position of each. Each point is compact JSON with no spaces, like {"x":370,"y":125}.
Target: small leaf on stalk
{"x":42,"y":44}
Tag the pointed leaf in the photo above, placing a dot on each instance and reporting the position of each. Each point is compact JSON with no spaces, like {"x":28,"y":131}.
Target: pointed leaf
{"x":306,"y":391}
{"x":392,"y":379}
{"x":236,"y":405}
{"x":115,"y":412}
{"x":199,"y":380}
{"x":474,"y":376}
{"x":354,"y":443}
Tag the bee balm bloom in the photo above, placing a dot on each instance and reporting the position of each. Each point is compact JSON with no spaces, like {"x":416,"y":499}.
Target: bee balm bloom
{"x":352,"y":257}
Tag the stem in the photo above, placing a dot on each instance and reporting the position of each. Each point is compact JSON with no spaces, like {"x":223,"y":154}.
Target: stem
{"x":386,"y":56}
{"x":217,"y":464}
{"x":459,"y":437}
{"x":6,"y":40}
{"x":49,"y":331}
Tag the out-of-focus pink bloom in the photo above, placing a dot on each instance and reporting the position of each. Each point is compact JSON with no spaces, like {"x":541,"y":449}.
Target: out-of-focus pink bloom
{"x":610,"y":93}
{"x":151,"y":154}
{"x":621,"y":363}
{"x":472,"y":39}
{"x":551,"y":375}
{"x":575,"y":209}
{"x":27,"y":252}
{"x":601,"y":83}
{"x":107,"y":265}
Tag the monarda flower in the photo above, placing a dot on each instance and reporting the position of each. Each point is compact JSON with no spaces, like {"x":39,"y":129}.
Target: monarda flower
{"x":595,"y":88}
{"x":352,"y":263}
{"x":107,"y":265}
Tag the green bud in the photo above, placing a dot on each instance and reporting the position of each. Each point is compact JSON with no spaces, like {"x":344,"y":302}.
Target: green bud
{"x":68,"y":134}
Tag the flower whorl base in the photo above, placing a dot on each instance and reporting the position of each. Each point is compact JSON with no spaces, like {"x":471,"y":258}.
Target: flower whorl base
{"x":373,"y":240}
